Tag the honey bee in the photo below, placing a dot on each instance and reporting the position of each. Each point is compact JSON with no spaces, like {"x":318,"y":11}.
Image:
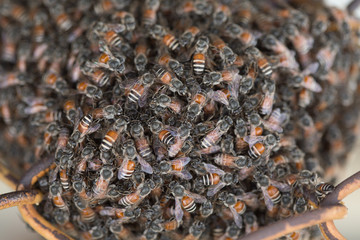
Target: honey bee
{"x":262,"y":62}
{"x":237,"y":208}
{"x":216,"y":179}
{"x":167,"y":38}
{"x":136,"y":197}
{"x":195,"y":231}
{"x":104,"y":6}
{"x":275,"y":121}
{"x":267,"y":103}
{"x":272,"y":194}
{"x":102,"y":182}
{"x":120,"y":231}
{"x":62,"y":218}
{"x":199,"y":7}
{"x":55,"y":82}
{"x":187,"y":38}
{"x":55,"y":191}
{"x":167,"y":102}
{"x":197,"y":103}
{"x":107,"y":60}
{"x":166,"y":61}
{"x":235,"y":31}
{"x":86,"y":154}
{"x":185,"y":199}
{"x":199,"y":57}
{"x":228,"y":160}
{"x":80,"y":188}
{"x":141,"y":142}
{"x":165,"y":77}
{"x":125,"y":18}
{"x":326,"y":55}
{"x":12,"y":79}
{"x":87,"y":214}
{"x":110,"y":34}
{"x":227,"y":75}
{"x":127,"y":167}
{"x":89,"y":90}
{"x":83,"y":128}
{"x":138,"y":91}
{"x":112,"y":135}
{"x":323,"y":189}
{"x":300,"y":206}
{"x":251,"y":223}
{"x":107,"y":112}
{"x":171,"y":225}
{"x":285,"y":205}
{"x":149,"y":13}
{"x":215,"y":135}
{"x":182,"y":134}
{"x":176,"y":167}
{"x":245,"y":13}
{"x":301,"y":42}
{"x":69,"y":108}
{"x":141,"y":59}
{"x":62,"y":19}
{"x":226,"y":53}
{"x":221,"y":14}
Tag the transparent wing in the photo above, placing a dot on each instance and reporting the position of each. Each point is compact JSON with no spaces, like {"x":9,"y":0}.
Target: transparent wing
{"x":272,"y":126}
{"x":310,"y":83}
{"x":178,"y":210}
{"x":237,"y":217}
{"x":183,"y":161}
{"x":251,"y":140}
{"x":107,"y":211}
{"x":213,"y":169}
{"x":123,"y":164}
{"x":183,"y":174}
{"x":219,"y":96}
{"x":284,"y":187}
{"x":213,"y":189}
{"x":197,"y":198}
{"x":269,"y":204}
{"x":175,"y":148}
{"x":145,"y":166}
{"x":92,"y":129}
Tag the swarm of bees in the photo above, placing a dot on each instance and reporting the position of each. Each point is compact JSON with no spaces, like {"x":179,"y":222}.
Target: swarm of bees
{"x":194,"y":119}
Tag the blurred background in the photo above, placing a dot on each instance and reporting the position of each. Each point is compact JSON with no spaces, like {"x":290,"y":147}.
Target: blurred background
{"x":12,"y":226}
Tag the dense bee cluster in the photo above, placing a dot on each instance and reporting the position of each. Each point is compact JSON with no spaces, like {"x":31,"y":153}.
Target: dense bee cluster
{"x":177,"y":119}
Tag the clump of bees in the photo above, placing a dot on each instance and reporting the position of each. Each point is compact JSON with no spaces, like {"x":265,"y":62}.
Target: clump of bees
{"x":178,"y":119}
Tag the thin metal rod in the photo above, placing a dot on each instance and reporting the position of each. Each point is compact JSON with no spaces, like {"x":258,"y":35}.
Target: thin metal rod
{"x":289,"y":225}
{"x":330,"y":232}
{"x":19,"y":198}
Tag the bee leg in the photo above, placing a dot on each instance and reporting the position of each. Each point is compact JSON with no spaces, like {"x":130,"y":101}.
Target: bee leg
{"x":19,"y":198}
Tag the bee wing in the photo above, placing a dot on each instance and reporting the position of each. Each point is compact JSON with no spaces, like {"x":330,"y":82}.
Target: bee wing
{"x":145,"y":166}
{"x":269,"y":204}
{"x":251,"y":199}
{"x":219,"y":96}
{"x":234,"y":86}
{"x":92,"y":129}
{"x":178,"y":210}
{"x":272,"y":126}
{"x":237,"y":217}
{"x":183,"y":174}
{"x":213,"y":189}
{"x":116,"y":27}
{"x":142,"y":100}
{"x":310,"y":83}
{"x":175,"y":148}
{"x":197,"y":198}
{"x":107,"y":211}
{"x":311,"y":68}
{"x":183,"y":160}
{"x":209,"y":150}
{"x":213,"y":169}
{"x":251,"y":140}
{"x":268,"y":102}
{"x":281,"y":186}
{"x":123,"y":164}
